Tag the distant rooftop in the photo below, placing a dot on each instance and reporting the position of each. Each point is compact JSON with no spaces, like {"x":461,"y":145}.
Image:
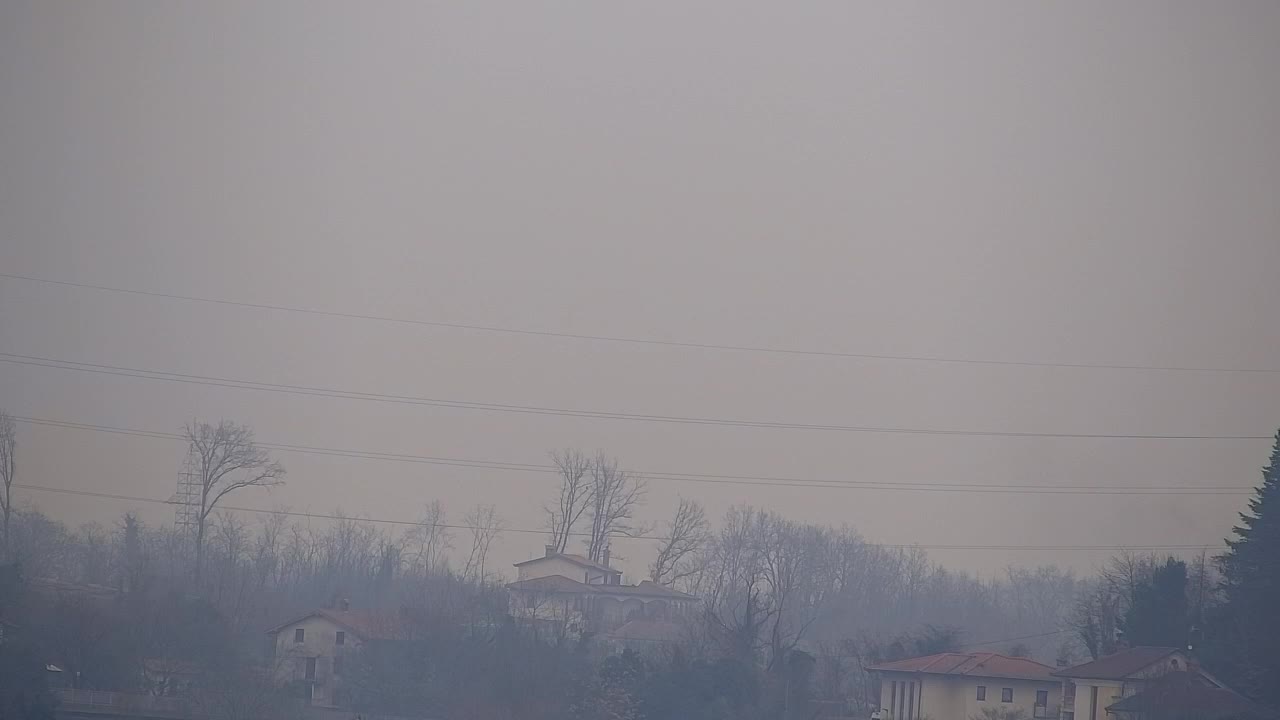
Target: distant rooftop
{"x":562,"y":584}
{"x":1188,"y":694}
{"x":365,"y":624}
{"x":573,"y":558}
{"x":1118,"y":665}
{"x":981,"y":664}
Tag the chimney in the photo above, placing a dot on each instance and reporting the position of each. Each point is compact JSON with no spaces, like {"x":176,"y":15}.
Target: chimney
{"x":606,"y":556}
{"x":551,"y":550}
{"x":346,"y":605}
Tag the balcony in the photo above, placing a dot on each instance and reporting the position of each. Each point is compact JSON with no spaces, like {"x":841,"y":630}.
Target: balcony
{"x":1045,"y":712}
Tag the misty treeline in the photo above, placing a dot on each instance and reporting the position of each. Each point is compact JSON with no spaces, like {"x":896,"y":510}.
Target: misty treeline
{"x":792,"y":615}
{"x":775,"y":590}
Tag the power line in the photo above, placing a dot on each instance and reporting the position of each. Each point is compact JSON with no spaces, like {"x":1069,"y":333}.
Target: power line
{"x":694,"y":477}
{"x":629,"y":340}
{"x":214,"y":381}
{"x":1009,"y":639}
{"x":389,"y":521}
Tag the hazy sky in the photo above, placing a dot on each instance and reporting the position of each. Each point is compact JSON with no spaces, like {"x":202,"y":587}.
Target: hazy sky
{"x":1076,"y":182}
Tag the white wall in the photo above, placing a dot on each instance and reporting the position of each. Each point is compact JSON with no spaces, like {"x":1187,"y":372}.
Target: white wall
{"x":949,"y":697}
{"x":319,"y":641}
{"x":1112,"y":691}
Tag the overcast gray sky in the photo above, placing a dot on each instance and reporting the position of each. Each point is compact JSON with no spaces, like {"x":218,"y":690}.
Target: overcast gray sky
{"x":1073,"y":182}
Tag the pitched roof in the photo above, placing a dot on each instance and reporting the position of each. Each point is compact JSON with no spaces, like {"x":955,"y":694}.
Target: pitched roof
{"x":646,"y":587}
{"x":550,"y":583}
{"x":1118,"y":665}
{"x":1184,"y":694}
{"x":573,"y":558}
{"x":365,"y":624}
{"x":562,"y":584}
{"x":983,"y":664}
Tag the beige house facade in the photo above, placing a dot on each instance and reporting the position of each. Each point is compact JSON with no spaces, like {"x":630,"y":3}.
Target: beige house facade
{"x":961,"y":686}
{"x":1093,"y":687}
{"x":314,"y":650}
{"x":571,"y":594}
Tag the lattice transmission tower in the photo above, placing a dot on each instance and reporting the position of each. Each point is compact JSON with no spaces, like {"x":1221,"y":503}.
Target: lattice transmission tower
{"x":186,"y":510}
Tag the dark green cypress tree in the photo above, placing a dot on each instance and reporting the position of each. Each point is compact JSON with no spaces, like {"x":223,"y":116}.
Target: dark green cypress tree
{"x":1159,"y":614}
{"x":1250,"y":616}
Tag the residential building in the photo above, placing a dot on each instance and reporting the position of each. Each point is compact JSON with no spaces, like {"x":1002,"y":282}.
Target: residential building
{"x":313,"y":650}
{"x":960,"y":686}
{"x":1187,"y":695}
{"x":580,"y":595}
{"x":574,"y":567}
{"x":1096,"y":690}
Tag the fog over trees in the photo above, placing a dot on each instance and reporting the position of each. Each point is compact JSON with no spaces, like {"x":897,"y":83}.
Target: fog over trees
{"x":791,"y":614}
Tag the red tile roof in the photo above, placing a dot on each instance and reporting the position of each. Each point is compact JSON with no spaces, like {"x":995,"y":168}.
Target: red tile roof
{"x":983,"y":664}
{"x":364,"y":624}
{"x":1119,"y":665}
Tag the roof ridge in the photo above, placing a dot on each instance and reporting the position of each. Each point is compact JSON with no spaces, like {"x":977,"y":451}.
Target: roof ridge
{"x":935,"y":659}
{"x":979,"y":663}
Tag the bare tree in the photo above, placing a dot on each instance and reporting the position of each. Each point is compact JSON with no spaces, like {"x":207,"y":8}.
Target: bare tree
{"x":1096,"y":616}
{"x":574,"y":498}
{"x":238,"y":692}
{"x":615,"y":495}
{"x":686,"y":534}
{"x":788,"y":551}
{"x":228,"y":461}
{"x":485,"y":525}
{"x":428,"y":544}
{"x":8,"y":470}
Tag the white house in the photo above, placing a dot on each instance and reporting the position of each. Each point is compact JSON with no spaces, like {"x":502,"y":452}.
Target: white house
{"x":314,"y":648}
{"x":580,"y":595}
{"x":1092,"y":688}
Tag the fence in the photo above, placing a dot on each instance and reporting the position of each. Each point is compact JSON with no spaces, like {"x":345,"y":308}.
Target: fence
{"x":121,"y":704}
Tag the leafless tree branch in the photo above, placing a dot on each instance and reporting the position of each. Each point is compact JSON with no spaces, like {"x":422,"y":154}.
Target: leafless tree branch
{"x":686,"y":534}
{"x":229,"y":460}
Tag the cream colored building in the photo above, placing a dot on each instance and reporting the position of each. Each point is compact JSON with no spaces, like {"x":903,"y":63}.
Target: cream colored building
{"x":571,"y":594}
{"x":1090,"y":688}
{"x":315,"y":649}
{"x":961,"y":686}
{"x":574,"y":567}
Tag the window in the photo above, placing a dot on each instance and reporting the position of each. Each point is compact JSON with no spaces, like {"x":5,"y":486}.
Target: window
{"x":893,"y":699}
{"x":982,"y":692}
{"x":311,"y":669}
{"x":1042,"y":698}
{"x":340,"y":638}
{"x":337,"y":665}
{"x":1006,"y":695}
{"x":299,"y":634}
